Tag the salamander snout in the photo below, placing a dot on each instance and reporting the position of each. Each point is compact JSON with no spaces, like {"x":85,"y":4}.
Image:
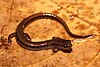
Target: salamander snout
{"x":63,"y":44}
{"x":68,"y":43}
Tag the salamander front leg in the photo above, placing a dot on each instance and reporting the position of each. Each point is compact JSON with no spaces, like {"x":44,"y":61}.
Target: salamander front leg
{"x":54,"y":50}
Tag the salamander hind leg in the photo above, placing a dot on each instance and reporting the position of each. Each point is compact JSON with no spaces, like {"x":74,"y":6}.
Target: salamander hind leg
{"x":27,"y":36}
{"x":10,"y":37}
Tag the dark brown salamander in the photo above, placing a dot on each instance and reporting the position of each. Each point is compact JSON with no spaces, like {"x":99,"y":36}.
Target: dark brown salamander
{"x":55,"y":43}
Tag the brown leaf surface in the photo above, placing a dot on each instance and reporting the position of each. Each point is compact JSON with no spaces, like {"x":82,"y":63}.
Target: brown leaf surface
{"x":86,"y":53}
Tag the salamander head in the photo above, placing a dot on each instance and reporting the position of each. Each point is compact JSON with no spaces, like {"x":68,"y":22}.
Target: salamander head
{"x":62,"y":44}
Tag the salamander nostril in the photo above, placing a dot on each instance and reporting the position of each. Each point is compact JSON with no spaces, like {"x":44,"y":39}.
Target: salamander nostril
{"x":69,"y":43}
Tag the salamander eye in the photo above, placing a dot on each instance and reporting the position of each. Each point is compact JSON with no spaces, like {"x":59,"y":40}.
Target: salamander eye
{"x":65,"y":45}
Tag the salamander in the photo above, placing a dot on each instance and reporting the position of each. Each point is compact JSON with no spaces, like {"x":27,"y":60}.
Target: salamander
{"x":56,"y":43}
